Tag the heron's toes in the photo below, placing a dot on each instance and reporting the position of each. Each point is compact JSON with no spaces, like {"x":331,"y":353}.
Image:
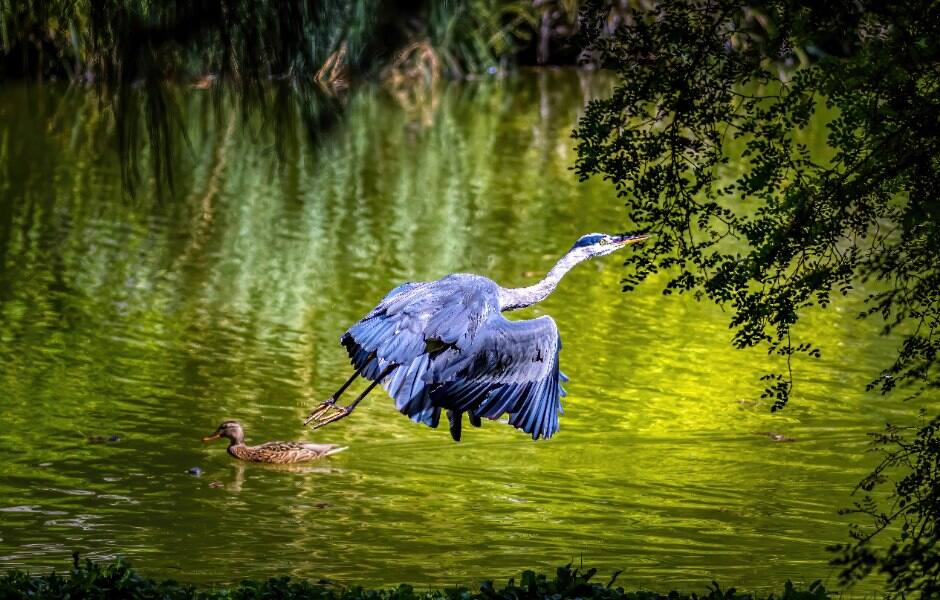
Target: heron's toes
{"x":320,"y":410}
{"x":328,"y":416}
{"x":326,"y":413}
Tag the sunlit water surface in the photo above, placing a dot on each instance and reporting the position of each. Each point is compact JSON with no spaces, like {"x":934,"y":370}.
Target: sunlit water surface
{"x":155,"y":320}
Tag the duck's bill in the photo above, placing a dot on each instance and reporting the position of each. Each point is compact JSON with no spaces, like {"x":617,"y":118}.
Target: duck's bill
{"x":631,"y":239}
{"x":212,"y":437}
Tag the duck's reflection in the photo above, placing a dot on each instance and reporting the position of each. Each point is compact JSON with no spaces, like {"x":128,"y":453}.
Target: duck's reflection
{"x":242,"y":471}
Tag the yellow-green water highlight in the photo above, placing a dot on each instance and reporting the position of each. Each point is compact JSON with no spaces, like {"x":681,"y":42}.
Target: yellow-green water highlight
{"x":155,"y":320}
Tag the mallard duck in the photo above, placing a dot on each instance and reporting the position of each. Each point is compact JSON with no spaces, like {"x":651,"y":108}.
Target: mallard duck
{"x":271,"y":452}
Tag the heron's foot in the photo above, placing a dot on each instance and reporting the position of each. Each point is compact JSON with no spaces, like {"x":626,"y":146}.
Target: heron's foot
{"x":322,"y":408}
{"x":326,"y":413}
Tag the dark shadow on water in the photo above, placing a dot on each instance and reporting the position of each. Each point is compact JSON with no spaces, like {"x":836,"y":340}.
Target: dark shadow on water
{"x":285,"y":64}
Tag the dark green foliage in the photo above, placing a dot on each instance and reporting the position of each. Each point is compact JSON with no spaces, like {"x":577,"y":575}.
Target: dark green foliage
{"x":783,"y":230}
{"x":89,"y":580}
{"x":912,"y":468}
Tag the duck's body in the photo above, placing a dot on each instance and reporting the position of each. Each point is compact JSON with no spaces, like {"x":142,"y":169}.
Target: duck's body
{"x":270,"y":452}
{"x":283,"y":452}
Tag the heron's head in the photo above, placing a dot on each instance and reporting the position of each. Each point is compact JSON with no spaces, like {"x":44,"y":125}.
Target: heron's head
{"x":601,"y":244}
{"x":229,"y":429}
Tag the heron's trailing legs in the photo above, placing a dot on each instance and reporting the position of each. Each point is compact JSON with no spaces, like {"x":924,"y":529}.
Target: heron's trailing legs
{"x":328,"y":412}
{"x":331,"y":401}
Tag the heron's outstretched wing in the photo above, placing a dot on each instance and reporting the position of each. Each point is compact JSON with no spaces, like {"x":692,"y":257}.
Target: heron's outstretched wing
{"x":377,"y":331}
{"x":447,"y":312}
{"x":412,"y":326}
{"x":510,"y":367}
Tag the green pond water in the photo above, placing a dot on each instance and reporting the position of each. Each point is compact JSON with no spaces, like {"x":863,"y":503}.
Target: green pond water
{"x":155,"y":319}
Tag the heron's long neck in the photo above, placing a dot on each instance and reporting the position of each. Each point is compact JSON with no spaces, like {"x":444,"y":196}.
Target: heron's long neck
{"x":513,"y":298}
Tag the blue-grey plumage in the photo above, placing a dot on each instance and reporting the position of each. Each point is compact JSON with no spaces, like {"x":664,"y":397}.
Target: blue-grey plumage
{"x":445,"y":345}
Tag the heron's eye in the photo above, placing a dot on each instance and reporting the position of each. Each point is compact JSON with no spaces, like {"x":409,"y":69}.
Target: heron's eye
{"x":604,"y":242}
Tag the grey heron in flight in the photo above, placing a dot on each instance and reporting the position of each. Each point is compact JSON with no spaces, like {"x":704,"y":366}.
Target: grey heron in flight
{"x":445,"y":345}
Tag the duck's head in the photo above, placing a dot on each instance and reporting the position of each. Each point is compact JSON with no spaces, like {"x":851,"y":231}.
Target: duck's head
{"x":228,"y":429}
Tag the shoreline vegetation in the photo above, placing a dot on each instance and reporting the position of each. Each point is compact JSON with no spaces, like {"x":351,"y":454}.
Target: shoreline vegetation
{"x":292,"y":63}
{"x":327,"y":42}
{"x":88,"y":579}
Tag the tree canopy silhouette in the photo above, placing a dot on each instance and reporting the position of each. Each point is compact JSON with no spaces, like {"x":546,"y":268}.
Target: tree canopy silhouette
{"x":789,"y":229}
{"x":779,"y":230}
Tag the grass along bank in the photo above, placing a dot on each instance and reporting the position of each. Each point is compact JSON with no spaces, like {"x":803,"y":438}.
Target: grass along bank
{"x":118,"y":580}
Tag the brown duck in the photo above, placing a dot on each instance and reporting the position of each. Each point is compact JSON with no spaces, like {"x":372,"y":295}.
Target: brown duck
{"x":271,"y":452}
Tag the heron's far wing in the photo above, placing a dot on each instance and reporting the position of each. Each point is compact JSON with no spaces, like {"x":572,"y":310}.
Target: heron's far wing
{"x":398,"y":290}
{"x":511,"y":367}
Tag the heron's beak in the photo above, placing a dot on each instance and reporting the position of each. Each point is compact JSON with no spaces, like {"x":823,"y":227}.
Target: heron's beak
{"x":626,"y":240}
{"x":212,"y":437}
